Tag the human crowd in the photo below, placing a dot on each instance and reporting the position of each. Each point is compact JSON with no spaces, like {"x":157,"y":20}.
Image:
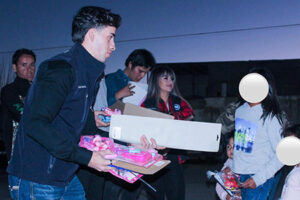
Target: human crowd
{"x":45,"y":113}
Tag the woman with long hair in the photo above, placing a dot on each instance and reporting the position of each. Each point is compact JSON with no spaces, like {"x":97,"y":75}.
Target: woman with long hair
{"x":163,"y":96}
{"x":257,"y":132}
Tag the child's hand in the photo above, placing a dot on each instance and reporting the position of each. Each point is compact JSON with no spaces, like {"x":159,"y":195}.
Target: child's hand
{"x":228,"y":197}
{"x":249,"y":183}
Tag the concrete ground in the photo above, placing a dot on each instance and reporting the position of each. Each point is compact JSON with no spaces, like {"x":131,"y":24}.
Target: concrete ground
{"x":197,"y":185}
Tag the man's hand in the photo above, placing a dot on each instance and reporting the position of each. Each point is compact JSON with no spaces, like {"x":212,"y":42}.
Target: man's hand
{"x":99,"y":163}
{"x":249,"y":183}
{"x":125,"y":92}
{"x":99,"y":122}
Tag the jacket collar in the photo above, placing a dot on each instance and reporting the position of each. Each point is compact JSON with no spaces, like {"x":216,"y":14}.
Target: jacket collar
{"x":92,"y":66}
{"x":122,"y":75}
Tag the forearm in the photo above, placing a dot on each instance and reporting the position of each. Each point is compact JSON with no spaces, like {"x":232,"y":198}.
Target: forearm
{"x":268,"y":171}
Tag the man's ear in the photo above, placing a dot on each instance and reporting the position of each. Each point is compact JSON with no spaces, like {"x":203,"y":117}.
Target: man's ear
{"x":90,"y":35}
{"x":14,"y":67}
{"x":130,"y":65}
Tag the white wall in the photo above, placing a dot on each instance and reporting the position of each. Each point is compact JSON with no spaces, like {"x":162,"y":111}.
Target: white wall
{"x":39,"y":24}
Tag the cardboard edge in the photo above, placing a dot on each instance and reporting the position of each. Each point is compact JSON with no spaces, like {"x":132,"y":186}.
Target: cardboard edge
{"x":150,"y":170}
{"x":131,"y":109}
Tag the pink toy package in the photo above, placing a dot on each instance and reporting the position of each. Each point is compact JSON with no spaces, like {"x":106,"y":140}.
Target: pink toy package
{"x":123,"y":153}
{"x":96,"y":143}
{"x":136,"y":156}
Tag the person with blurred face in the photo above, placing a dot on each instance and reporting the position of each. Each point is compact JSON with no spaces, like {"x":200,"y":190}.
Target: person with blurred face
{"x":138,"y":64}
{"x":13,"y":94}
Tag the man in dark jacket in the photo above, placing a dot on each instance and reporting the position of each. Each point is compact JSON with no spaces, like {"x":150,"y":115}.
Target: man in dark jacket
{"x":13,"y":95}
{"x":57,"y":112}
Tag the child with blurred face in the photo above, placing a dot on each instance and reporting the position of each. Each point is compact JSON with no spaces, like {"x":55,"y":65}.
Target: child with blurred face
{"x":291,"y":188}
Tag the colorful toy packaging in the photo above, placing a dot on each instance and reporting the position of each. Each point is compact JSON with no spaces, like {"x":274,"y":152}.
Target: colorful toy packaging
{"x":229,"y":181}
{"x":109,"y":112}
{"x":128,"y":154}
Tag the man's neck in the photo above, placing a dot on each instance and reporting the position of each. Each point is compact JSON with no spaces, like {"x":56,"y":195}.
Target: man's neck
{"x":126,"y":71}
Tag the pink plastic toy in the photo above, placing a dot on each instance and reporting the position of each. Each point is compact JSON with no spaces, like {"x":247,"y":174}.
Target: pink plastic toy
{"x":128,"y":154}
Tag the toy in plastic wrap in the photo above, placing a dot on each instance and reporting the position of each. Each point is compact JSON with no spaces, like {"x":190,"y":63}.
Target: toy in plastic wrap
{"x":125,"y":174}
{"x":136,"y":156}
{"x":128,"y":154}
{"x":228,"y":181}
{"x":109,"y":112}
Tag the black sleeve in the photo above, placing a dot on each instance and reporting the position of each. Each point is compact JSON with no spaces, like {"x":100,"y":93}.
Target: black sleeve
{"x":91,"y":128}
{"x":54,"y":83}
{"x":12,"y":103}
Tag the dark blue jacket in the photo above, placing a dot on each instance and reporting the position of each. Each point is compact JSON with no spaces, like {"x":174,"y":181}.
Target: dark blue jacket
{"x":114,"y":82}
{"x":55,"y":113}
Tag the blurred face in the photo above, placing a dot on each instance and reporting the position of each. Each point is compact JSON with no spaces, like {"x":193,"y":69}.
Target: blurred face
{"x":103,"y":43}
{"x":166,"y":83}
{"x":137,"y":73}
{"x":229,"y":148}
{"x":25,"y":67}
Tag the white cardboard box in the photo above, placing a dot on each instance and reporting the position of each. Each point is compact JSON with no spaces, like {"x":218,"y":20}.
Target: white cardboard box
{"x":178,"y":134}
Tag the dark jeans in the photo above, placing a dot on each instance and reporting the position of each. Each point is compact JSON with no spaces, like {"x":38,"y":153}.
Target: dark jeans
{"x":169,"y":181}
{"x":259,"y":193}
{"x":92,"y":182}
{"x":27,"y":190}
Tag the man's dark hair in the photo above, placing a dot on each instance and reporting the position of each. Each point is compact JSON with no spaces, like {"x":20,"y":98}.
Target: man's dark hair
{"x":21,"y":52}
{"x":141,"y":57}
{"x":92,"y":17}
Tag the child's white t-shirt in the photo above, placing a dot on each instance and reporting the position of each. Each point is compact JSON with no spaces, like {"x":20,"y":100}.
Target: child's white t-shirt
{"x":291,"y":188}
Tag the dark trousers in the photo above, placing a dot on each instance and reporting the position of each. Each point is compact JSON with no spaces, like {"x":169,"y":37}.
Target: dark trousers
{"x":92,"y":182}
{"x":169,"y":181}
{"x":116,"y":189}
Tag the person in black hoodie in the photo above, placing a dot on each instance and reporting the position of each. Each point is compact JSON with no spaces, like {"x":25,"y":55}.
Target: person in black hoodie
{"x":13,"y":95}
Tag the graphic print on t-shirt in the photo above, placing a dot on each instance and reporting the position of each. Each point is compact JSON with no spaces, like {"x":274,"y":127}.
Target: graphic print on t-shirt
{"x":244,"y":135}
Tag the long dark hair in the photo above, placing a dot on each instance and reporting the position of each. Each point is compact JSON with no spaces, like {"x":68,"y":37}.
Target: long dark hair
{"x":270,"y":104}
{"x":292,"y":130}
{"x":153,"y":83}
